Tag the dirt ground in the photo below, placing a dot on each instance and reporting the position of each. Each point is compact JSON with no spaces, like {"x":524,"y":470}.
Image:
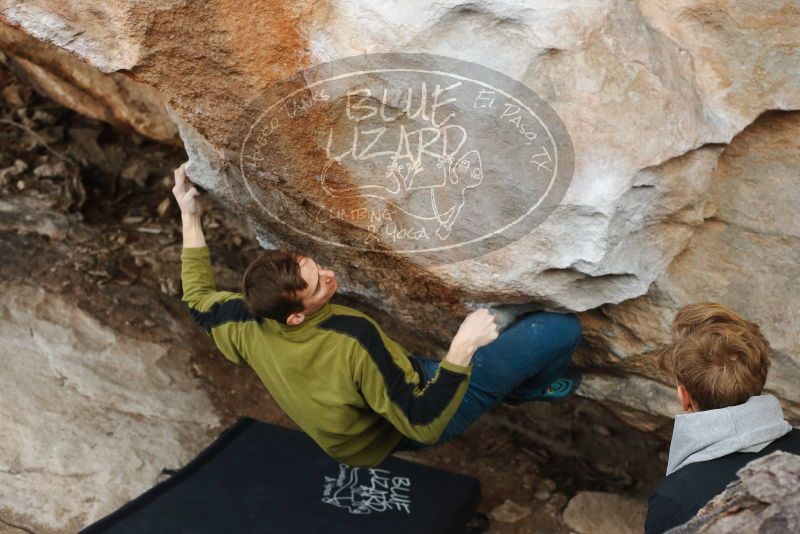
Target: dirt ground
{"x":87,"y":211}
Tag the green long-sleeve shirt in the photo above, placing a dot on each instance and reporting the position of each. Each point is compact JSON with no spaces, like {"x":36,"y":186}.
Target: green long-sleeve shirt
{"x":337,"y":375}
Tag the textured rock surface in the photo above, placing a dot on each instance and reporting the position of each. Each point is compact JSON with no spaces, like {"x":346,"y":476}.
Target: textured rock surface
{"x":683,"y":187}
{"x":592,"y":512}
{"x":113,"y":98}
{"x":766,"y":498}
{"x":745,"y":255}
{"x":89,"y":416}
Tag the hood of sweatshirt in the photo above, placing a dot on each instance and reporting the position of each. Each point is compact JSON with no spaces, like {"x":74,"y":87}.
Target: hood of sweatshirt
{"x":711,"y":434}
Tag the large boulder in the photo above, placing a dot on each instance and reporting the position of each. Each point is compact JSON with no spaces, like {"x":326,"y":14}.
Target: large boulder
{"x":78,"y":398}
{"x":745,"y":254}
{"x":679,"y":116}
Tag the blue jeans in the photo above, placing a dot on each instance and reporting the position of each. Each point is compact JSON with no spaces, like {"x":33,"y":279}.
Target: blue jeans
{"x":529,"y":355}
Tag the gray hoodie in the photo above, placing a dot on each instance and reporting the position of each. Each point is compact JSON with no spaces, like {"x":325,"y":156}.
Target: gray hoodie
{"x":711,"y":434}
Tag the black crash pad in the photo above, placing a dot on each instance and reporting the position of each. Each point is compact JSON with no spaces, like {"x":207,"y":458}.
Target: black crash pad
{"x":258,"y":477}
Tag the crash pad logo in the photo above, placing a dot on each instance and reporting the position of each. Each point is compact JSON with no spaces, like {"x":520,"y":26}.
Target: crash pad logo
{"x":364,"y":491}
{"x":411,"y":154}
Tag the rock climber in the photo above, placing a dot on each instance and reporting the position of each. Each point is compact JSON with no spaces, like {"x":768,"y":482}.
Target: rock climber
{"x":359,"y":394}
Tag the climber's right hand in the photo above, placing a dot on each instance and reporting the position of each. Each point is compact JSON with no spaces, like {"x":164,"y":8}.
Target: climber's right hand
{"x":185,"y":192}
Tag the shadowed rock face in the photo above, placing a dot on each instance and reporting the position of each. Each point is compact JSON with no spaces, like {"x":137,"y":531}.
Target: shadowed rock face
{"x":684,"y":182}
{"x":113,"y":98}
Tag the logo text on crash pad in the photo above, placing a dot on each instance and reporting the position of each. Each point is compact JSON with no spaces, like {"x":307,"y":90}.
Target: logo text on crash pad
{"x":367,"y":491}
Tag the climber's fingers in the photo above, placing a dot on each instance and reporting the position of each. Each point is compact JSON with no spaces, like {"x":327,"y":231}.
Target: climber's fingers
{"x":185,"y":192}
{"x":189,"y":204}
{"x":180,"y":179}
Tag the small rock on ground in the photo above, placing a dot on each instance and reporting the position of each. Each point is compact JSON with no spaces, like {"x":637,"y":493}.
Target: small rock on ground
{"x":592,"y":512}
{"x":510,"y":512}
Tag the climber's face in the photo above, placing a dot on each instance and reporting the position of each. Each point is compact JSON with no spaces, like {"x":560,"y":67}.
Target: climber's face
{"x":321,"y":286}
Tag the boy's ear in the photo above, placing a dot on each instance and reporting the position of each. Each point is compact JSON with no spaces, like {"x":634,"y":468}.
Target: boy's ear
{"x":295,"y":319}
{"x":687,"y":404}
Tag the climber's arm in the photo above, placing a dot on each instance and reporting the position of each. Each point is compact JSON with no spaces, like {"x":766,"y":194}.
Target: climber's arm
{"x":198,"y":281}
{"x":220,"y":313}
{"x":186,"y":194}
{"x":192,"y":231}
{"x":199,"y":291}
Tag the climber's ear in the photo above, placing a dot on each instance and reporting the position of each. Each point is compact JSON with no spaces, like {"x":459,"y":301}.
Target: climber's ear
{"x":295,"y":319}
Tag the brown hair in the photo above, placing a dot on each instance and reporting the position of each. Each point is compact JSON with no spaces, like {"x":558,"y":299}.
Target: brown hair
{"x":271,"y":283}
{"x":719,"y":357}
{"x":700,"y":314}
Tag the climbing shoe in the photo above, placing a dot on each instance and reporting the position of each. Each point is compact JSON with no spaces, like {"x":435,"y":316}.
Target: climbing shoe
{"x":562,"y":387}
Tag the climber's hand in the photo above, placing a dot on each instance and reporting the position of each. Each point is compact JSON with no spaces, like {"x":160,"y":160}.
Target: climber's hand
{"x":185,"y":193}
{"x":477,"y":330}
